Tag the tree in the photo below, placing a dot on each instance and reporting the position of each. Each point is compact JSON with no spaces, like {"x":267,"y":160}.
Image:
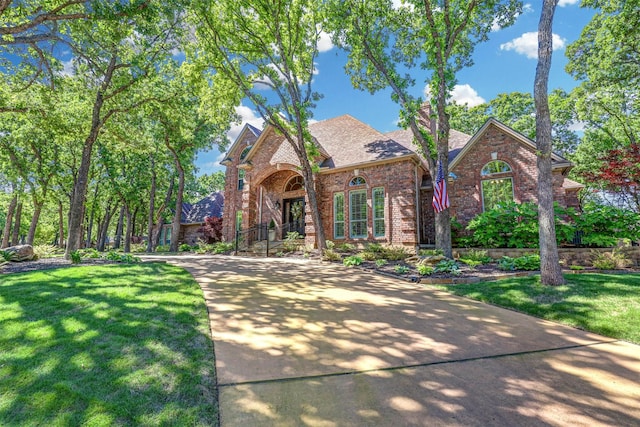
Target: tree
{"x":517,"y":110}
{"x":418,"y":35}
{"x":550,"y":270}
{"x":204,"y":185}
{"x":269,"y":44}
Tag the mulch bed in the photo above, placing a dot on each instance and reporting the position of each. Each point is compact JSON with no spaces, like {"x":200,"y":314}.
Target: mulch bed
{"x":47,"y":264}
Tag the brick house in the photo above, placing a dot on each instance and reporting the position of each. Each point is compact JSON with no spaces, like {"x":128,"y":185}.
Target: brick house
{"x":192,"y":219}
{"x":376,"y":187}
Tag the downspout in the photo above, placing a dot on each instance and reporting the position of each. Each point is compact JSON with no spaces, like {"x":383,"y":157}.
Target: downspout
{"x":260,"y":213}
{"x":418,"y":222}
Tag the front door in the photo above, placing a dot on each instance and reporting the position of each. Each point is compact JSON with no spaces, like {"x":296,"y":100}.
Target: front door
{"x":293,"y":216}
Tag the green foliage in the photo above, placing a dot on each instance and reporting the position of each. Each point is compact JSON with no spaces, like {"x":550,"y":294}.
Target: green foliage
{"x":331,"y":255}
{"x":291,"y":241}
{"x":425,"y":270}
{"x":476,"y":255}
{"x":430,"y":252}
{"x":381,"y":262}
{"x":367,"y":255}
{"x":603,"y":226}
{"x":610,"y":260}
{"x":516,"y":226}
{"x":576,"y":267}
{"x":5,"y":255}
{"x":449,"y":266}
{"x":470,"y":262}
{"x":345,"y":247}
{"x":90,"y":253}
{"x":401,"y":269}
{"x":330,"y":244}
{"x":375,"y":248}
{"x":525,"y":262}
{"x":46,"y":251}
{"x":76,"y":257}
{"x":394,"y":253}
{"x":185,"y":247}
{"x":162,"y":248}
{"x":123,"y":258}
{"x":352,"y":260}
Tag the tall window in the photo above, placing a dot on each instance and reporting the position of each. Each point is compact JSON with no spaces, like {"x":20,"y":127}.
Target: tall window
{"x":241,"y":173}
{"x":358,"y":214}
{"x":338,"y":216}
{"x":245,"y":152}
{"x":378,"y":212}
{"x":497,"y":184}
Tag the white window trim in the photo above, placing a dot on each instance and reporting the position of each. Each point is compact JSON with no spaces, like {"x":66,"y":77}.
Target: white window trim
{"x":335,"y":212}
{"x":366,"y":215}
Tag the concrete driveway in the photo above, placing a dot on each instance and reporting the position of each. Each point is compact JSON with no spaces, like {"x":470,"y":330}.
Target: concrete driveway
{"x":300,"y":344}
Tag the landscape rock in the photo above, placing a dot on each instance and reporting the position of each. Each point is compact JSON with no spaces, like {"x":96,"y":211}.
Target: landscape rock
{"x":425,"y":260}
{"x":20,"y":253}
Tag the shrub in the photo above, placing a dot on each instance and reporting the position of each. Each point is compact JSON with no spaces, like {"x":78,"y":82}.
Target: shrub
{"x":576,"y":267}
{"x":368,"y":256}
{"x":345,"y":247}
{"x":375,"y":248}
{"x":476,"y":255}
{"x":394,"y":253}
{"x":290,"y":242}
{"x":331,"y":255}
{"x":212,"y":229}
{"x":516,"y":226}
{"x":610,"y":260}
{"x":352,"y":260}
{"x":5,"y":255}
{"x":45,"y":251}
{"x":222,"y":247}
{"x":425,"y":270}
{"x":525,"y":262}
{"x":185,"y":247}
{"x":163,"y":248}
{"x":401,"y":269}
{"x":90,"y":253}
{"x":138,"y":247}
{"x":430,"y":252}
{"x":447,"y":266}
{"x":506,"y":263}
{"x":381,"y":262}
{"x":76,"y":257}
{"x":603,"y":226}
{"x":470,"y":262}
{"x":330,"y":244}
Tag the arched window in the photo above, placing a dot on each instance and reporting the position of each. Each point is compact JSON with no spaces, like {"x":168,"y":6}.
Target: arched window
{"x":358,"y":180}
{"x":245,"y":152}
{"x":295,"y":183}
{"x":496,"y":190}
{"x":495,"y":166}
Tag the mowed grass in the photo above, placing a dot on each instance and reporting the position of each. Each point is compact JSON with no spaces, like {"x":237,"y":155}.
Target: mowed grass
{"x":606,"y":304}
{"x":114,"y":345}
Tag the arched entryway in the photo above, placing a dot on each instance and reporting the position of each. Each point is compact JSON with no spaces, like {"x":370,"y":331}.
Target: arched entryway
{"x":281,"y":202}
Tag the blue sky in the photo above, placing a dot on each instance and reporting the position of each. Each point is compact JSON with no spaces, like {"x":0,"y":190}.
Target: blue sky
{"x":506,"y":63}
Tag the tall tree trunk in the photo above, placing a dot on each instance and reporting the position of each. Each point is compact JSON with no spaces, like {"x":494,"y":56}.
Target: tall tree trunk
{"x":15,"y":237}
{"x":119,"y":226}
{"x":550,"y":270}
{"x":37,"y":210}
{"x":9,"y":220}
{"x":60,"y":225}
{"x":104,"y":227}
{"x":159,"y":221}
{"x":76,"y":210}
{"x":175,"y":229}
{"x":127,"y":235}
{"x":152,"y":208}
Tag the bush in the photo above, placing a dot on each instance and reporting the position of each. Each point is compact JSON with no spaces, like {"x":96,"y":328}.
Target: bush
{"x":212,"y":229}
{"x":610,"y":260}
{"x":222,"y":247}
{"x":447,"y":266}
{"x":352,"y":260}
{"x":368,"y":256}
{"x":430,"y":252}
{"x":603,"y":226}
{"x":290,"y":242}
{"x":525,"y":262}
{"x":476,"y":256}
{"x":516,"y":226}
{"x":345,"y":247}
{"x":381,"y":262}
{"x":139,"y":247}
{"x":394,"y":253}
{"x":5,"y":255}
{"x":425,"y":270}
{"x":185,"y":247}
{"x":401,"y":269}
{"x":76,"y":257}
{"x":163,"y":248}
{"x":90,"y":253}
{"x":330,"y":244}
{"x":375,"y":248}
{"x":45,"y":251}
{"x":331,"y":255}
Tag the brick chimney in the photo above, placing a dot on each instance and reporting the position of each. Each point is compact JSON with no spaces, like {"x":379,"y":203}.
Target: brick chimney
{"x":426,"y":118}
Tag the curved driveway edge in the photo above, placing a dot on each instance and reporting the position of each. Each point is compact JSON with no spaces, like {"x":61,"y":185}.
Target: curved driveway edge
{"x":302,"y":344}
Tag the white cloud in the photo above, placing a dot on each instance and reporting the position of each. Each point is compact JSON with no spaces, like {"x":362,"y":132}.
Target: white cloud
{"x":324,"y":42}
{"x":526,"y":8}
{"x":563,"y":3}
{"x":465,"y":94}
{"x":578,"y":126}
{"x":68,"y":68}
{"x":247,"y":115}
{"x":461,"y":94}
{"x":527,"y":44}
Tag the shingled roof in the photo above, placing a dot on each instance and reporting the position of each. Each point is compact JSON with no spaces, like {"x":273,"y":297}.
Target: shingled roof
{"x":210,"y":206}
{"x":457,"y":140}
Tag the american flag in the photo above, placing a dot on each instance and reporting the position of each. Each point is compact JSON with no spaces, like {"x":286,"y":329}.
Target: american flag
{"x":440,"y":196}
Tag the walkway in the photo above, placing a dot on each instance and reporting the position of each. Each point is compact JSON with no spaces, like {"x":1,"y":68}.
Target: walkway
{"x":300,"y":344}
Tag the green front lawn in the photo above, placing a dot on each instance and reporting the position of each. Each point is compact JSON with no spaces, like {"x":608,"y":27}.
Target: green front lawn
{"x":105,"y":345}
{"x":606,"y":304}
